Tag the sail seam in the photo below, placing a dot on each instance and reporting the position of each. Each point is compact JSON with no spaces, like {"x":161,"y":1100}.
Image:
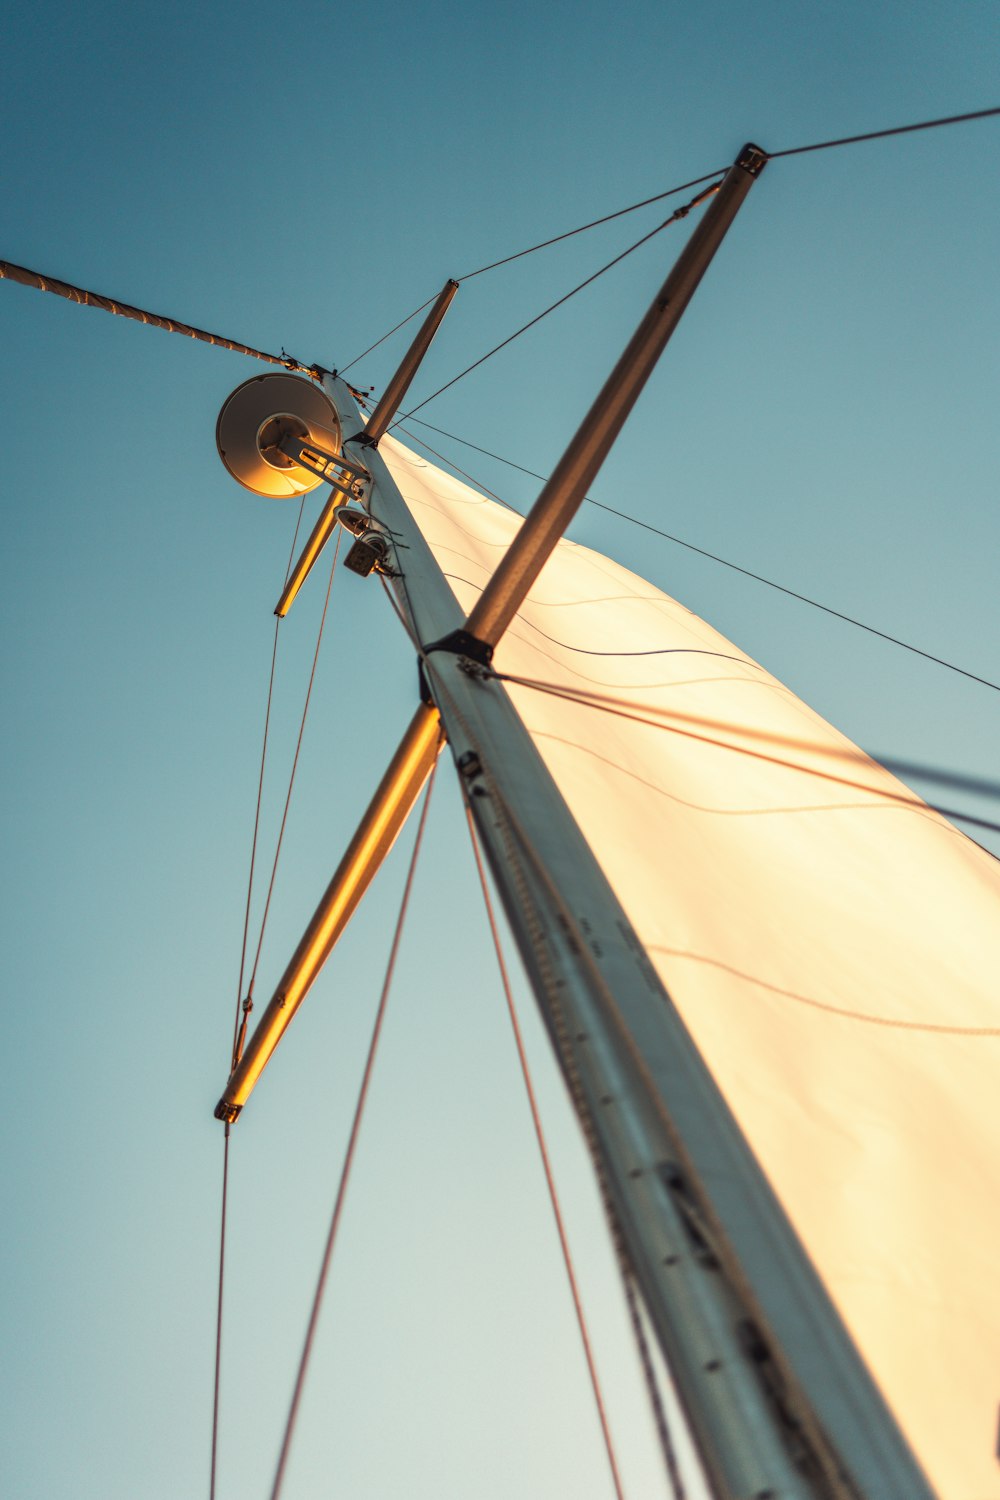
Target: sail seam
{"x":892,"y":1023}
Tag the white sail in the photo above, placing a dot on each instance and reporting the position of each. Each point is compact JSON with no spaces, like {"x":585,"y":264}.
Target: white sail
{"x":832,"y":943}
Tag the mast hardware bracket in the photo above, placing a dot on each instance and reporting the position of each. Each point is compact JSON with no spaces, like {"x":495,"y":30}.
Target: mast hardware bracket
{"x":753,"y":159}
{"x":470,"y":765}
{"x":475,"y":669}
{"x":463,"y":643}
{"x":345,"y":476}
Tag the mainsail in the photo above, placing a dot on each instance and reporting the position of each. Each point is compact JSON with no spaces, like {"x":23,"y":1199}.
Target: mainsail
{"x":830,"y":941}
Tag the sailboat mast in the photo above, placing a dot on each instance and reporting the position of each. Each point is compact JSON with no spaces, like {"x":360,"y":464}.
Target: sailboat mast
{"x":777,"y":1397}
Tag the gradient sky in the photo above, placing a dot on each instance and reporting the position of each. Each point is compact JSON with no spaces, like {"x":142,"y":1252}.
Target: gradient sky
{"x":826,"y":415}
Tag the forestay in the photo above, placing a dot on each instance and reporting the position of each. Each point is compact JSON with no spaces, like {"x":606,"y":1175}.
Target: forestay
{"x":831,"y":942}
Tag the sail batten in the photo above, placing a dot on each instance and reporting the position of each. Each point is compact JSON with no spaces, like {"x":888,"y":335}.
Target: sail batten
{"x":830,"y":941}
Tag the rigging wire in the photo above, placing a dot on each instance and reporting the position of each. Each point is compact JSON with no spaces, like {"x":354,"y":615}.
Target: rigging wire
{"x":21,"y":274}
{"x":678,"y":214}
{"x":342,"y":369}
{"x":260,"y":793}
{"x":847,"y":140}
{"x":546,"y":1163}
{"x":543,"y":245}
{"x":513,"y":839}
{"x":878,"y":135}
{"x":345,"y":1171}
{"x":415,"y":437}
{"x":218,"y":1319}
{"x":291,"y":780}
{"x":10,"y":272}
{"x":606,"y":219}
{"x":619,"y":708}
{"x":236,"y":1029}
{"x":781,"y":588}
{"x":652,"y":1385}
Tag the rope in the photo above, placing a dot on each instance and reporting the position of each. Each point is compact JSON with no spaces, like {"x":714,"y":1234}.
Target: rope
{"x":291,"y":779}
{"x":878,"y":135}
{"x":256,"y":822}
{"x":679,"y":213}
{"x":400,"y":616}
{"x":218,"y":1319}
{"x":827,"y":609}
{"x":516,"y":850}
{"x":618,"y":708}
{"x":659,"y":1411}
{"x":349,"y":1154}
{"x":10,"y":272}
{"x":546,"y":1164}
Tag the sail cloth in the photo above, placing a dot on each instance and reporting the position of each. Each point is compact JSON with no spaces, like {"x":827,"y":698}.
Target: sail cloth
{"x":832,"y":947}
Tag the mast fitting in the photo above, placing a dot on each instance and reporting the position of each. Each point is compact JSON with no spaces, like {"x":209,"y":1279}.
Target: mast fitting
{"x":463,"y":643}
{"x":753,"y":159}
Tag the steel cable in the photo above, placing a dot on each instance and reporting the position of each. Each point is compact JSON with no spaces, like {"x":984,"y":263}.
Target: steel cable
{"x":605,"y":219}
{"x":21,"y":274}
{"x":342,"y":369}
{"x":236,"y":1035}
{"x":295,"y":764}
{"x":260,"y":793}
{"x":349,"y":1153}
{"x":878,"y":135}
{"x":680,"y":213}
{"x":218,"y":1320}
{"x":668,"y":536}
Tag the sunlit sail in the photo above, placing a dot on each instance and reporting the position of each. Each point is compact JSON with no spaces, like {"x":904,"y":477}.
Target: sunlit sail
{"x":831,"y":941}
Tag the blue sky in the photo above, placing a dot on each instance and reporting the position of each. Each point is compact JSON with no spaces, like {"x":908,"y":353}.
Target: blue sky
{"x":824,"y":416}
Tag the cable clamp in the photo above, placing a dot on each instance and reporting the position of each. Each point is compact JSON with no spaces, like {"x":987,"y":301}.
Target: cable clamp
{"x":242,"y":1036}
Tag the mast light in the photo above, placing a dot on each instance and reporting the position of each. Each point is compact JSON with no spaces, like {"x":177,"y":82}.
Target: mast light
{"x":262,"y":420}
